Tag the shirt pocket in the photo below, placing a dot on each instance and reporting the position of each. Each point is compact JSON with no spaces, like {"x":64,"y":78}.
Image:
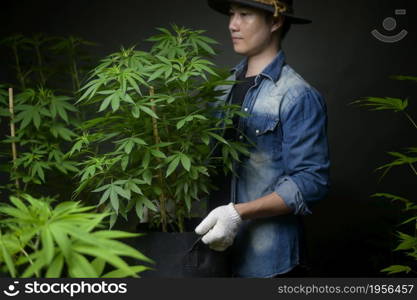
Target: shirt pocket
{"x":265,"y":134}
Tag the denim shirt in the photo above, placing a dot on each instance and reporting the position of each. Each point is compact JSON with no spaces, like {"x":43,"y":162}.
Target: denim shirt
{"x":287,"y":123}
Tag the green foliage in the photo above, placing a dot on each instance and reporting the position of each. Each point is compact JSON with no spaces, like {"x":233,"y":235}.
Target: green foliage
{"x":44,"y":114}
{"x":38,"y":240}
{"x":77,"y":56}
{"x":43,"y":123}
{"x":394,"y":104}
{"x":153,"y":145}
{"x":401,"y":159}
{"x":48,"y":61}
{"x":409,"y":78}
{"x":396,"y":269}
{"x":407,"y":242}
{"x":4,"y":103}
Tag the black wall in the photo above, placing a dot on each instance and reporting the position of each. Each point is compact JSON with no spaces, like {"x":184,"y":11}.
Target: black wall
{"x":349,"y":233}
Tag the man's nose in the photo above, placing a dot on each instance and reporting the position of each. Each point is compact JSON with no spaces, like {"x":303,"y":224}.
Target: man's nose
{"x":234,"y":23}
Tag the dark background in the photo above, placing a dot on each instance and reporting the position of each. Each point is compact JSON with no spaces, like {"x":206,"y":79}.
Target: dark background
{"x":349,"y":233}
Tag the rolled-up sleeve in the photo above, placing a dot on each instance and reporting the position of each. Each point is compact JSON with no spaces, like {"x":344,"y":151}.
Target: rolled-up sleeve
{"x":305,"y":152}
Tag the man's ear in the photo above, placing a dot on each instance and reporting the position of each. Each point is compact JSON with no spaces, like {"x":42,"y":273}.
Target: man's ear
{"x":277,"y":23}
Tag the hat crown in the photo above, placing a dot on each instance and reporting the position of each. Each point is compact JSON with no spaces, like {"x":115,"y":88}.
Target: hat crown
{"x":277,"y":7}
{"x":271,"y":2}
{"x":280,"y":6}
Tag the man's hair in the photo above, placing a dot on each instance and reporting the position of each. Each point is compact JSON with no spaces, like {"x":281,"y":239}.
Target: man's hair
{"x":269,"y":17}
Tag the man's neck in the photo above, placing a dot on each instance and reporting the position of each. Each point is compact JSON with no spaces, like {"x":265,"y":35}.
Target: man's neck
{"x":257,"y":63}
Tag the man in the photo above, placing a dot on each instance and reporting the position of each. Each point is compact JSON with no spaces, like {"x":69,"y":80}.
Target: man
{"x":288,"y":169}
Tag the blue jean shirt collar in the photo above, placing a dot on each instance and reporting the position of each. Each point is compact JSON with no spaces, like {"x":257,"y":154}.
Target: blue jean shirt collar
{"x":272,"y":71}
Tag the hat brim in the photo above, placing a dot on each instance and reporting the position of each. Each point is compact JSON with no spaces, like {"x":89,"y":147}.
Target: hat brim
{"x":223,"y":6}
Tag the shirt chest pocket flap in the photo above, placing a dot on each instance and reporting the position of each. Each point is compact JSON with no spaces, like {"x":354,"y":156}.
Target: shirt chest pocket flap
{"x":266,"y":137}
{"x":264,"y":125}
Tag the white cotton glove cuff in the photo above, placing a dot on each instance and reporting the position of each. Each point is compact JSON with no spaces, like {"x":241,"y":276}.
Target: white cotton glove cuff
{"x":220,"y":227}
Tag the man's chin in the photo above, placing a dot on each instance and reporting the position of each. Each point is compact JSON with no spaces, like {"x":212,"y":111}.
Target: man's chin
{"x":240,"y":52}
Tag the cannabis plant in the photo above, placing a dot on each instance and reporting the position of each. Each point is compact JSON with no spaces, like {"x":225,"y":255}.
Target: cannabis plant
{"x":38,"y":240}
{"x":407,"y":241}
{"x":41,"y":114}
{"x":153,"y":145}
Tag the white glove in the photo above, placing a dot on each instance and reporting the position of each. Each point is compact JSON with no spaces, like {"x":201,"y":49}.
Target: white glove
{"x":220,"y":227}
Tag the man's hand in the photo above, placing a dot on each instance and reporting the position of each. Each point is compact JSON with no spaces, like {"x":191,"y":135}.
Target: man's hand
{"x":220,"y":227}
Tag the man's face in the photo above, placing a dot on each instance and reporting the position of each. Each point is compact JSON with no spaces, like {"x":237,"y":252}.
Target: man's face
{"x":249,"y":30}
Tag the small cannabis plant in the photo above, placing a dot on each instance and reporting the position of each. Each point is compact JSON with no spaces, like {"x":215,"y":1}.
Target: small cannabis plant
{"x":152,"y":147}
{"x":408,"y":241}
{"x":38,"y":240}
{"x":41,"y":112}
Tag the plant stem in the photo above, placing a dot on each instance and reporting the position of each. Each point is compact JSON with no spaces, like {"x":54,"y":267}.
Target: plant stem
{"x":412,"y":168}
{"x":76,"y":80}
{"x":73,"y":66}
{"x":39,"y":58}
{"x":162,"y":197}
{"x":12,"y":133}
{"x":181,"y":222}
{"x":75,"y":75}
{"x":19,"y":74}
{"x":411,"y":120}
{"x":29,"y":259}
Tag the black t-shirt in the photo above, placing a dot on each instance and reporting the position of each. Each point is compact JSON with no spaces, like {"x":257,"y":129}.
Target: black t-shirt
{"x":239,"y":92}
{"x":222,"y":182}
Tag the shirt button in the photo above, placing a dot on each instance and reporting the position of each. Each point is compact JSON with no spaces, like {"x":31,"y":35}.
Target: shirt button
{"x":257,"y":131}
{"x":246,"y":109}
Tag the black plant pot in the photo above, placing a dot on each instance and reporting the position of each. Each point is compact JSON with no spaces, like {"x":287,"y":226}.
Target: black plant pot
{"x":182,"y":255}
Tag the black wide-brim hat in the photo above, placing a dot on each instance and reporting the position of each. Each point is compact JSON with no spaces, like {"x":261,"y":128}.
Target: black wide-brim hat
{"x":223,"y":6}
